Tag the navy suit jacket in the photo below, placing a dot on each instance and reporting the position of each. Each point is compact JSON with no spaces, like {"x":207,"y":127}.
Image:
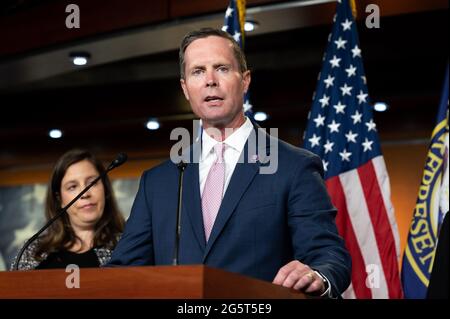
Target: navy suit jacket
{"x":264,"y":222}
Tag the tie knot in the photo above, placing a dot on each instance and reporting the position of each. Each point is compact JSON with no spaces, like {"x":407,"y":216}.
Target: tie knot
{"x":219,"y":148}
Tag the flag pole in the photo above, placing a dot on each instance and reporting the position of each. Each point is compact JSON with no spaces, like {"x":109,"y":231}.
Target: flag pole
{"x":354,"y":10}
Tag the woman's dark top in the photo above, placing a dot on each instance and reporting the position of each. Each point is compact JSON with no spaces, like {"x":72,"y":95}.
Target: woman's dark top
{"x":95,"y":257}
{"x":63,"y":258}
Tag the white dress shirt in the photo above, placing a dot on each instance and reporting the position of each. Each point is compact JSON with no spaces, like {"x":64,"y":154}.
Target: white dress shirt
{"x":234,"y":146}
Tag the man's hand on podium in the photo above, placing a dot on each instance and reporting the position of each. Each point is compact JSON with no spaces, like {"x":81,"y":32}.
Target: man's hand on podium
{"x":301,"y":277}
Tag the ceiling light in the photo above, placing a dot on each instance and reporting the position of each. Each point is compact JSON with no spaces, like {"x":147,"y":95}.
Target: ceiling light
{"x":80,"y":58}
{"x":55,"y":133}
{"x":250,"y":25}
{"x":153,"y":124}
{"x":260,"y":116}
{"x":380,"y":106}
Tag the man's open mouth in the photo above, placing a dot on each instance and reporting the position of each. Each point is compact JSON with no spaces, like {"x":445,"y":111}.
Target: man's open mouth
{"x":213,"y":98}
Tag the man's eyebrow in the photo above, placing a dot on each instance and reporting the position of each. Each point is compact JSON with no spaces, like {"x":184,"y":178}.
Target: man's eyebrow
{"x":221,"y":64}
{"x":215,"y":65}
{"x":197,"y":66}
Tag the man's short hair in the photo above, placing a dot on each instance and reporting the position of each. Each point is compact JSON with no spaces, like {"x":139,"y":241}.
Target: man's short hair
{"x":207,"y":32}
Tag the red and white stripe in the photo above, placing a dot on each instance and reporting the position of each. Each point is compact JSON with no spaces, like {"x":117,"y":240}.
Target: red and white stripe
{"x":367,"y":223}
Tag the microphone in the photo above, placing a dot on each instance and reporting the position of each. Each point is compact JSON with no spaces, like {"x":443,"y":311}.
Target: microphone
{"x":119,"y":160}
{"x":181,"y":167}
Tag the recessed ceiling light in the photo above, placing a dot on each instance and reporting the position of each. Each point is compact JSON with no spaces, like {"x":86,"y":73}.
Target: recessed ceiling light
{"x":80,"y":58}
{"x":153,"y":124}
{"x":55,"y":133}
{"x":380,"y":106}
{"x":250,"y":25}
{"x":260,"y":116}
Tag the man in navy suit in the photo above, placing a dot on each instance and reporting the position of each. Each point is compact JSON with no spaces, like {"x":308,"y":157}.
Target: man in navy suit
{"x":276,"y":226}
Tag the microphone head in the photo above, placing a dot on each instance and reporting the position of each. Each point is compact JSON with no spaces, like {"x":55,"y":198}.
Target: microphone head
{"x":119,"y":160}
{"x":181,"y":165}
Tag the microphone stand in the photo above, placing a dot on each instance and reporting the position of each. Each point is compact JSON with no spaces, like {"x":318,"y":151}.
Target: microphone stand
{"x":121,"y":158}
{"x":181,"y":167}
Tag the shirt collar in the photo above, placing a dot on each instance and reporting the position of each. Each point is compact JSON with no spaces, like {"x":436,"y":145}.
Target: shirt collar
{"x":236,"y":140}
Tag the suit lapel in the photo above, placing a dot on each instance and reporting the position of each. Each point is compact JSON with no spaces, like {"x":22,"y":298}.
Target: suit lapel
{"x":192,"y":201}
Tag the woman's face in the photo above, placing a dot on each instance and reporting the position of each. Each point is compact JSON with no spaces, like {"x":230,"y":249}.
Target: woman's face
{"x":87,"y":210}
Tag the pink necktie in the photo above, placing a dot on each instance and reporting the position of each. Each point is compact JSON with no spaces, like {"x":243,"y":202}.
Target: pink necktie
{"x":213,"y":191}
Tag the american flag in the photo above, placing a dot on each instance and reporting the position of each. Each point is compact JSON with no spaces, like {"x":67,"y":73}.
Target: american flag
{"x":341,"y":130}
{"x":234,"y":24}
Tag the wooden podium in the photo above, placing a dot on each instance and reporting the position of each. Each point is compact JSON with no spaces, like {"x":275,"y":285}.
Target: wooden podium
{"x":159,"y":282}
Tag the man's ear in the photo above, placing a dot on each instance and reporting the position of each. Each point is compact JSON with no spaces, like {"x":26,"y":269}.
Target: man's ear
{"x":185,"y":91}
{"x":246,"y":79}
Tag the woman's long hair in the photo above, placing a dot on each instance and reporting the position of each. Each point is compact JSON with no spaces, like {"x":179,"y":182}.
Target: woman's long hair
{"x":60,"y":235}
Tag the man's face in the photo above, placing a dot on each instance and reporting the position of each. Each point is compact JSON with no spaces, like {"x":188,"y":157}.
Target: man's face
{"x":213,"y":83}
